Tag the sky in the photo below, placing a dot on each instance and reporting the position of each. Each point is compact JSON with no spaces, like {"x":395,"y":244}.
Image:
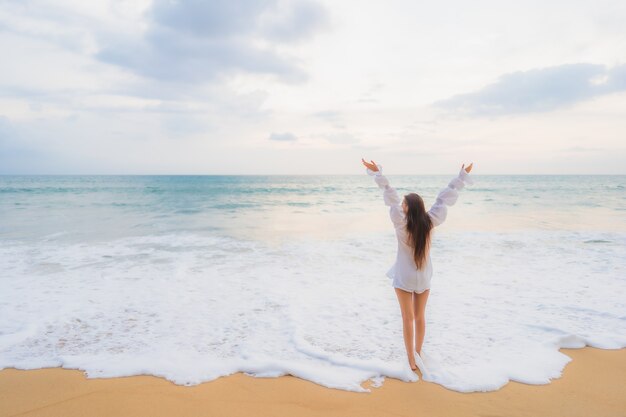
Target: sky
{"x":311,"y":87}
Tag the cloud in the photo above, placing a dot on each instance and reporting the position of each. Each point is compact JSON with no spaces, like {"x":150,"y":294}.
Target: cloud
{"x":283,"y":137}
{"x":540,"y":90}
{"x":295,"y":21}
{"x":192,"y":41}
{"x":370,"y":95}
{"x":341,"y":138}
{"x":331,"y":116}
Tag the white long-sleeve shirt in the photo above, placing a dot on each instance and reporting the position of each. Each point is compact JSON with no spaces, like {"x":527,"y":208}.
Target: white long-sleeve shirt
{"x":404,"y":273}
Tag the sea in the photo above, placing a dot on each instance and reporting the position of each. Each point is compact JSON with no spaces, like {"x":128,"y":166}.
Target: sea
{"x":192,"y":278}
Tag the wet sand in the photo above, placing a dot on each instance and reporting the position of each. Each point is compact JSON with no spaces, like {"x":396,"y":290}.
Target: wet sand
{"x":593,"y":384}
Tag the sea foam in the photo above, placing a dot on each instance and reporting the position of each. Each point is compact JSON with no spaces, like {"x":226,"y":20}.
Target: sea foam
{"x":192,"y":306}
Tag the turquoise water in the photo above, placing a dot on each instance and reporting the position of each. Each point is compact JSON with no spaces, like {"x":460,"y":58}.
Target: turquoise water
{"x":101,"y":207}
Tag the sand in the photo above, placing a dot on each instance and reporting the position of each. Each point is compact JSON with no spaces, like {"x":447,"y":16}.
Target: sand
{"x":592,"y":385}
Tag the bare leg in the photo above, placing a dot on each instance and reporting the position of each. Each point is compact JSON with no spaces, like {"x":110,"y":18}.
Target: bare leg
{"x":405,"y":299}
{"x":419,"y":310}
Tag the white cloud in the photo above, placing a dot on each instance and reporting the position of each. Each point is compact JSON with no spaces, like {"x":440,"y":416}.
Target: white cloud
{"x":192,"y":41}
{"x":283,"y":137}
{"x":541,"y":89}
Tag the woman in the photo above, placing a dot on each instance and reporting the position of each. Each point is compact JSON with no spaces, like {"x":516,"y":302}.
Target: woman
{"x":412,"y":271}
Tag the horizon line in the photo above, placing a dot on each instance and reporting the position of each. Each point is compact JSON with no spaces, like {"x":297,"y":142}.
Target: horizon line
{"x":285,"y":175}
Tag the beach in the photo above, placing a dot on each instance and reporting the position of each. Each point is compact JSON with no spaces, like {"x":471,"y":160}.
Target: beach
{"x":190,"y":224}
{"x":592,"y":384}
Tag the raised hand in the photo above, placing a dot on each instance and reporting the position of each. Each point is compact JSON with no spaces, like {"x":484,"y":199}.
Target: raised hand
{"x":371,"y":165}
{"x":469,"y":167}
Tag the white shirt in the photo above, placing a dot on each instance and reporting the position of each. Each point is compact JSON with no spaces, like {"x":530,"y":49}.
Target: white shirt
{"x":404,"y":273}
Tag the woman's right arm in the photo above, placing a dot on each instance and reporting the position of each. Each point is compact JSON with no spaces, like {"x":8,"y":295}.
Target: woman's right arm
{"x":390,"y":195}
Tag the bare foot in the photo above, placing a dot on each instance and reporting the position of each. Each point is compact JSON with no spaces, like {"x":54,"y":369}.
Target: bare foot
{"x":421,"y":366}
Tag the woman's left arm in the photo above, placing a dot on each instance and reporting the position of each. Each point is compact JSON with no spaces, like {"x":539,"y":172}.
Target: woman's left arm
{"x":390,"y":195}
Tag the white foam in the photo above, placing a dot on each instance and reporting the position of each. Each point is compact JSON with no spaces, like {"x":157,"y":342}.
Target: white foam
{"x":192,"y":308}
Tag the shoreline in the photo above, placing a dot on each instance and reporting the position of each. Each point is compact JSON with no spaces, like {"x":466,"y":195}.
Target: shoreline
{"x":592,"y":384}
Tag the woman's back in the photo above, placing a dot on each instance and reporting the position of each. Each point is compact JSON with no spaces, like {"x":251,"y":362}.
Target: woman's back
{"x":404,"y":272}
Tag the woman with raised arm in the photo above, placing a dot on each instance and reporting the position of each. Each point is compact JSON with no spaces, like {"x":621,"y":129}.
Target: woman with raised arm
{"x":412,"y":271}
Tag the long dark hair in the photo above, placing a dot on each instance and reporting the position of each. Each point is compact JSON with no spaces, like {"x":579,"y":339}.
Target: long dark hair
{"x":418,"y":227}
